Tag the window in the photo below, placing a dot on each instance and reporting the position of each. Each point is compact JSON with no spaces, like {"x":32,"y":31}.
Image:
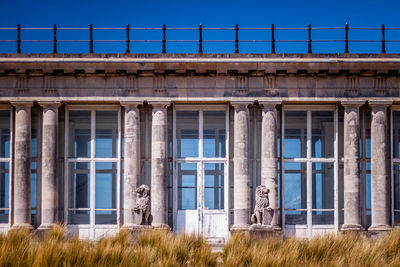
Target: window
{"x":5,"y":157}
{"x":93,"y":165}
{"x":365,"y":166}
{"x":309,"y":162}
{"x":396,"y":164}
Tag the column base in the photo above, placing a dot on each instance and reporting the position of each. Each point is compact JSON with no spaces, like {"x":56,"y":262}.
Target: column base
{"x":351,"y":228}
{"x":239,"y":228}
{"x":265,"y":231}
{"x":22,"y":226}
{"x":380,"y":228}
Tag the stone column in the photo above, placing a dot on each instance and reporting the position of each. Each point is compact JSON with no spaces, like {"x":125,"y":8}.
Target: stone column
{"x":159,"y":179}
{"x":351,"y":180}
{"x":22,"y":166}
{"x":241,"y":175}
{"x":49,"y":165}
{"x":269,"y":160}
{"x":379,"y":172}
{"x":131,"y":162}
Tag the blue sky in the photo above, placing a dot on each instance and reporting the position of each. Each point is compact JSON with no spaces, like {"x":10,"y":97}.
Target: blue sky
{"x":151,"y":13}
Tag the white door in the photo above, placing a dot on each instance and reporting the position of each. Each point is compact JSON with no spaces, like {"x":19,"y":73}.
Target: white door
{"x":200,"y":184}
{"x":201,"y":199}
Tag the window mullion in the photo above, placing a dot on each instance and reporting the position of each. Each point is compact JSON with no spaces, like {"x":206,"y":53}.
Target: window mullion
{"x":309,"y":173}
{"x":92,"y":170}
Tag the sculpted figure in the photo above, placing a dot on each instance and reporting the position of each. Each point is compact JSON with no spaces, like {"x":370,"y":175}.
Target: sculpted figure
{"x":143,"y":204}
{"x":262,"y":205}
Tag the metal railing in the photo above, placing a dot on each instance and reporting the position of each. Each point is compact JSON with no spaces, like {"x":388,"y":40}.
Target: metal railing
{"x":270,"y":43}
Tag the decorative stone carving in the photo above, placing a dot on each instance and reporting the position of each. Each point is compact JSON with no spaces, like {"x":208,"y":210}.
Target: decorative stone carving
{"x":143,"y":204}
{"x":263,"y":213}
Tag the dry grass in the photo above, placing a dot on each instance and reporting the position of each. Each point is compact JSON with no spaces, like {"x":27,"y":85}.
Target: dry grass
{"x":156,"y":248}
{"x":341,"y":250}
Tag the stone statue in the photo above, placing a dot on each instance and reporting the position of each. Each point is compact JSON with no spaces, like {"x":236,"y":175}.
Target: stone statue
{"x":262,"y":211}
{"x":143,"y":204}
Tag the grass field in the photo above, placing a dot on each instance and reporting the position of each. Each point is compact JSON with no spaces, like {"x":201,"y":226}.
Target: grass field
{"x":156,"y":248}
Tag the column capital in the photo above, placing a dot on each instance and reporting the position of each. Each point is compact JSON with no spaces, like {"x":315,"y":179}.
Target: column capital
{"x":53,"y":104}
{"x":131,"y":104}
{"x":19,"y":104}
{"x":379,"y":103}
{"x":352,"y":103}
{"x":160,"y":104}
{"x":268,"y":105}
{"x":241,"y":104}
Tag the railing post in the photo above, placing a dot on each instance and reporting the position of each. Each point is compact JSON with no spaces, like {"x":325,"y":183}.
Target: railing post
{"x":128,"y":50}
{"x":237,"y":39}
{"x":55,"y":39}
{"x":346,"y":40}
{"x":309,"y":39}
{"x":91,"y":39}
{"x":383,"y":51}
{"x":164,"y":47}
{"x":200,"y":39}
{"x":19,"y":39}
{"x":273,"y":39}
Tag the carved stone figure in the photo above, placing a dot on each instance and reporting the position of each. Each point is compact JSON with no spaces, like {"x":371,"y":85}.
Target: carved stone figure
{"x":143,"y":204}
{"x":262,"y":211}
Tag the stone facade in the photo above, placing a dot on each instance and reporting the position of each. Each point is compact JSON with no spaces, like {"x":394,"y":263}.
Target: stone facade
{"x":268,"y":85}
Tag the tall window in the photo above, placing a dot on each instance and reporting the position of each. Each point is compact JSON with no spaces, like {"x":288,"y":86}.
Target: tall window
{"x":365,"y":165}
{"x":35,"y":165}
{"x":5,"y":147}
{"x":396,"y":164}
{"x":309,"y":166}
{"x":93,"y":166}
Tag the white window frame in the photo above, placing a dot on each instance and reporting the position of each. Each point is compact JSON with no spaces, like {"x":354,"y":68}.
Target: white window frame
{"x":92,"y":160}
{"x":393,"y":161}
{"x":10,"y":166}
{"x":200,"y":160}
{"x":309,"y":160}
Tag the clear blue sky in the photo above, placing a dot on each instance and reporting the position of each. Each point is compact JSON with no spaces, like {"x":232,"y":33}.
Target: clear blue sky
{"x":223,"y":13}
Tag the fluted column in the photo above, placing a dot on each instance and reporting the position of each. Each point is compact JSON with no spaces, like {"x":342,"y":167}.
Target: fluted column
{"x":22,"y":165}
{"x":49,"y":213}
{"x":131,"y":161}
{"x":379,"y":171}
{"x":159,"y":179}
{"x":241,"y":175}
{"x":269,"y":160}
{"x":351,"y":180}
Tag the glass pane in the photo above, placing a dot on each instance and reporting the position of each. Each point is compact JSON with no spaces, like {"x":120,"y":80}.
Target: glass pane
{"x":79,"y":129}
{"x":396,"y":134}
{"x":396,"y":193}
{"x":187,"y":134}
{"x":4,"y":133}
{"x":322,"y":134}
{"x":79,"y":196}
{"x":323,"y":192}
{"x":33,"y":186}
{"x":213,"y":186}
{"x":106,"y":134}
{"x":187,"y":186}
{"x":34,"y":132}
{"x":295,"y":134}
{"x":295,"y":193}
{"x":4,"y":191}
{"x":106,"y":185}
{"x":214,"y":134}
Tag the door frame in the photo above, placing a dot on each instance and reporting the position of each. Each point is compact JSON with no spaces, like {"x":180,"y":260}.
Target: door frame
{"x":200,"y":160}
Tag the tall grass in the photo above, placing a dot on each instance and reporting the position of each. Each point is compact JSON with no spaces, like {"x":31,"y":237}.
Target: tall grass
{"x":153,"y":248}
{"x":329,"y":250}
{"x":157,"y":248}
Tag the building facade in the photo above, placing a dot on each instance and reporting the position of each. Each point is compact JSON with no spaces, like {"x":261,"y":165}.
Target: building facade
{"x":79,"y":134}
